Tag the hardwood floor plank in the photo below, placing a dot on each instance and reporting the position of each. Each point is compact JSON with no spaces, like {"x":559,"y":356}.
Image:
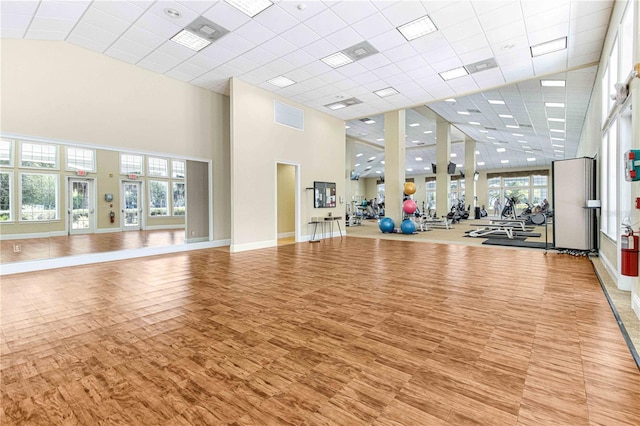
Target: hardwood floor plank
{"x":333,"y":333}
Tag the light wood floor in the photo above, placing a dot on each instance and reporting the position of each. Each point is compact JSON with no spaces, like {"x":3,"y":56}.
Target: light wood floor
{"x":346,"y":331}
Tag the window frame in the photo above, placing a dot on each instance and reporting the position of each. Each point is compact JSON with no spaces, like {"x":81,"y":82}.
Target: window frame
{"x":56,"y":197}
{"x":173,"y":168}
{"x":56,"y":148}
{"x":164,"y":173}
{"x":12,"y":145}
{"x":127,"y":173}
{"x":151,"y":199}
{"x":10,"y":197}
{"x":173,"y":199}
{"x":73,"y":169}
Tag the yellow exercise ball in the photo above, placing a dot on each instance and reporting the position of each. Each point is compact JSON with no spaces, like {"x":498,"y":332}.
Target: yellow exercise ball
{"x":409,"y":188}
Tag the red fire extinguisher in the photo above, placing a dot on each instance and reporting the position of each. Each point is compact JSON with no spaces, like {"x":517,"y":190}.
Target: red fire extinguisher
{"x":112,"y":216}
{"x":629,"y":253}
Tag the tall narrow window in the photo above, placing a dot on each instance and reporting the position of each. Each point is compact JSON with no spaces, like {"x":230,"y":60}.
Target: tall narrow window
{"x":81,"y":159}
{"x":178,"y":169}
{"x":6,"y":152}
{"x":131,"y":164}
{"x":178,"y":199}
{"x":5,"y":197}
{"x":38,"y":196}
{"x":38,"y":155}
{"x":158,"y":198}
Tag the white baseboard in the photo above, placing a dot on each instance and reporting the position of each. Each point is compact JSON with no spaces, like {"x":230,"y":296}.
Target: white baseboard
{"x":5,"y":237}
{"x":107,"y":230}
{"x":237,"y":248}
{"x":157,"y":227}
{"x":86,"y":259}
{"x":622,"y":282}
{"x":286,"y":234}
{"x":635,"y":303}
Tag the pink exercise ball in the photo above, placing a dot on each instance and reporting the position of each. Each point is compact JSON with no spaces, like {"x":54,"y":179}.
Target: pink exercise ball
{"x":409,"y":206}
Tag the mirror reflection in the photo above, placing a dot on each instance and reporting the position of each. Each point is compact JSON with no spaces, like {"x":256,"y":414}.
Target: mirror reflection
{"x":61,"y":200}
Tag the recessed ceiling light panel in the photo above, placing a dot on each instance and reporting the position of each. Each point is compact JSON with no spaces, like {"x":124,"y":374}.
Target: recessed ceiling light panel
{"x":337,"y":60}
{"x":190,"y":40}
{"x":495,"y":102}
{"x":453,"y":73}
{"x":281,"y":81}
{"x":417,"y":28}
{"x":549,"y":46}
{"x":553,"y":83}
{"x":383,"y":93}
{"x":250,"y":7}
{"x":343,"y":103}
{"x":554,"y":104}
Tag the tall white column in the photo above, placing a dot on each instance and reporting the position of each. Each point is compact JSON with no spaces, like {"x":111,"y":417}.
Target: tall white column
{"x":469,"y":169}
{"x":443,"y":152}
{"x":394,"y":166}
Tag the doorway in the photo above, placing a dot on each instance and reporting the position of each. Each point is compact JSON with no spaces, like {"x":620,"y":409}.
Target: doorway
{"x":131,"y":202}
{"x":81,"y":207}
{"x":287,"y":203}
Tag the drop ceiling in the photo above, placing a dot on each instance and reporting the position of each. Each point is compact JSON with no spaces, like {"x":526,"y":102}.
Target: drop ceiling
{"x":290,"y":39}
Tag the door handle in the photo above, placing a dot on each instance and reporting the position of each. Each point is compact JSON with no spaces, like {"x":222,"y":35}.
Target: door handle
{"x":91,"y":211}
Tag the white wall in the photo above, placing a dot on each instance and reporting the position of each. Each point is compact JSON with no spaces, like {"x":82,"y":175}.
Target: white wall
{"x":258,"y":144}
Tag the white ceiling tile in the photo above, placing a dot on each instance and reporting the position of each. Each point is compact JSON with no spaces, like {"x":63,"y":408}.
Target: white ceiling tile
{"x":90,"y":32}
{"x":506,"y":32}
{"x":502,"y":16}
{"x":62,"y":9}
{"x":158,"y":26}
{"x":400,"y":52}
{"x":12,"y":32}
{"x":217,"y":52}
{"x":123,"y":10}
{"x":483,"y":7}
{"x":594,"y":20}
{"x":175,"y":50}
{"x":325,"y":23}
{"x":549,"y":33}
{"x":276,"y":19}
{"x":587,"y":8}
{"x":235,"y":43}
{"x":559,"y":15}
{"x":413,"y":63}
{"x":154,"y":66}
{"x":404,"y":12}
{"x":346,"y":84}
{"x":321,"y":48}
{"x":20,"y":7}
{"x":258,"y":56}
{"x":165,"y":62}
{"x":188,"y":69}
{"x":52,"y":24}
{"x":142,"y":4}
{"x":300,"y":35}
{"x":105,"y":21}
{"x":277,"y":67}
{"x":227,"y":16}
{"x":587,"y":58}
{"x":452,"y":13}
{"x":122,"y":55}
{"x":298,"y":75}
{"x":132,"y":49}
{"x":197,"y":6}
{"x":179,"y":75}
{"x":489,"y":78}
{"x":10,"y":21}
{"x":463,"y":30}
{"x":388,"y":40}
{"x":310,"y":9}
{"x":551,"y":62}
{"x":354,"y":11}
{"x":374,"y":61}
{"x":299,"y":58}
{"x":186,"y":17}
{"x":254,"y":32}
{"x":364,"y":77}
{"x":331,"y":77}
{"x":46,"y":35}
{"x":352,"y":69}
{"x":372,"y":26}
{"x":476,"y":55}
{"x":141,"y":36}
{"x":241,"y":64}
{"x":344,"y":38}
{"x":91,"y":44}
{"x":278,"y":46}
{"x":387,"y":71}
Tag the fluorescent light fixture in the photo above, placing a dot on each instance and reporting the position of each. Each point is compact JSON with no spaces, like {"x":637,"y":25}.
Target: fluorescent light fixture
{"x":357,"y":165}
{"x":554,"y":104}
{"x":191,"y":40}
{"x":552,"y":83}
{"x":417,"y":28}
{"x":495,"y":102}
{"x":500,"y":149}
{"x":347,"y":127}
{"x":453,"y":154}
{"x":459,"y":165}
{"x":378,"y":171}
{"x":529,"y":152}
{"x":480,"y":163}
{"x":558,"y":150}
{"x":511,"y":126}
{"x":517,"y":134}
{"x":418,"y":158}
{"x":504,"y":161}
{"x":359,"y":155}
{"x":450,"y":100}
{"x":490,"y":137}
{"x":557,"y":130}
{"x":549,"y":46}
{"x":372,"y":158}
{"x":453,"y":73}
{"x":556,"y":120}
{"x":428,"y":131}
{"x":369,"y":121}
{"x":483,"y":131}
{"x":409,"y":170}
{"x":477,"y":152}
{"x":333,"y":106}
{"x":464,"y":113}
{"x":521,"y":141}
{"x":383,"y":93}
{"x":414,"y":124}
{"x":368,"y":168}
{"x":379,"y":139}
{"x":337,"y":60}
{"x":282,"y":81}
{"x":526,"y":147}
{"x":557,"y":139}
{"x":505,"y":115}
{"x":382,"y":162}
{"x":427,"y":168}
{"x":475,"y":123}
{"x":250,"y":7}
{"x":557,"y":145}
{"x":531,"y":158}
{"x":415,"y":141}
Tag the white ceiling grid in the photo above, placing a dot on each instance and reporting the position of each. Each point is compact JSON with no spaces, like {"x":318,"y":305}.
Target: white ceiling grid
{"x":291,"y":37}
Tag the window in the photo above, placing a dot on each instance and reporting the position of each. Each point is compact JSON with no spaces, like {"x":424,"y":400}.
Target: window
{"x":6,"y":152}
{"x":626,"y":42}
{"x":158,"y":167}
{"x":158,"y":198}
{"x":539,"y":195}
{"x":178,"y":199}
{"x":38,"y":196}
{"x":5,"y":197}
{"x":604,"y":185}
{"x":131,"y":164}
{"x":540,"y":180}
{"x":493,"y":182}
{"x":38,"y":155}
{"x":178,"y":169}
{"x":517,"y":181}
{"x":81,"y":159}
{"x":612,"y":163}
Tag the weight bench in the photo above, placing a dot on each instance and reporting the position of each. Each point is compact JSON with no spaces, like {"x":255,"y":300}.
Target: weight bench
{"x":506,"y":230}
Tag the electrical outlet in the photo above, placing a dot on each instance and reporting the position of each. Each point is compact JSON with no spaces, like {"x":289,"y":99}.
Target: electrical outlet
{"x":17,"y":248}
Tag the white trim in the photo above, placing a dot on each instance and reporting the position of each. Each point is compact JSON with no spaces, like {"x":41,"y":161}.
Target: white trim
{"x":86,"y":259}
{"x":635,"y":304}
{"x":197,"y":240}
{"x":107,"y":230}
{"x":622,"y":282}
{"x":236,"y":248}
{"x":155,"y":227}
{"x":608,"y":266}
{"x":4,"y":237}
{"x":286,"y":234}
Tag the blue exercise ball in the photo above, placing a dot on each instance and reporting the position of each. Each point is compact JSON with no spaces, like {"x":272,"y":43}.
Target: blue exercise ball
{"x":408,"y":226}
{"x":386,"y":225}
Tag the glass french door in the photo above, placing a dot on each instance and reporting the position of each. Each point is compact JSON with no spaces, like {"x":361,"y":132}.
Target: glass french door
{"x":132,"y":205}
{"x":81,"y":206}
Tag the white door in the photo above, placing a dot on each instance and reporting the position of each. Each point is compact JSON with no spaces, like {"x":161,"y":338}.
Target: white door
{"x":132,"y":205}
{"x":81,"y":206}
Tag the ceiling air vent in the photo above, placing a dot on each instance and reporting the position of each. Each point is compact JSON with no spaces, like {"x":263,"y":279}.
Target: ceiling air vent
{"x":206,"y":29}
{"x":481,"y":65}
{"x":343,"y":103}
{"x":490,"y":128}
{"x":475,"y":111}
{"x":526,"y":125}
{"x":360,"y":51}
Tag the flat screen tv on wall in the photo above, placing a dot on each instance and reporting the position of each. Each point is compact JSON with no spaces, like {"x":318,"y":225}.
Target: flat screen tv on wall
{"x":324,"y":194}
{"x":451,"y":168}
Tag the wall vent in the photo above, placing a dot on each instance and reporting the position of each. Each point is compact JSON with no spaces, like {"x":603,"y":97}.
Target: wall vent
{"x":289,"y":116}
